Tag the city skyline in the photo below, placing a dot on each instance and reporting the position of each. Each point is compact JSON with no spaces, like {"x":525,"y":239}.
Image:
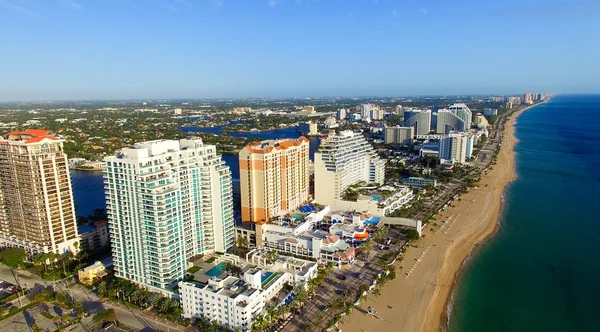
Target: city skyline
{"x":173,"y":49}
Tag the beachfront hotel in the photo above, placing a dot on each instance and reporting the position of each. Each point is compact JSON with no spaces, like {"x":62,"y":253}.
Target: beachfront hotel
{"x":457,"y":147}
{"x":345,"y":159}
{"x":464,"y":113}
{"x":234,"y":301}
{"x":167,"y":201}
{"x":418,"y":119}
{"x":274,"y":178}
{"x":37,"y":212}
{"x":448,"y":121}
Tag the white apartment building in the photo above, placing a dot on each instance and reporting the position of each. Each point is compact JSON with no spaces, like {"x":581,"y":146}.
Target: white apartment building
{"x":464,"y":113}
{"x":341,"y":114}
{"x":236,"y":302}
{"x":365,"y":111}
{"x":399,"y":135}
{"x":377,"y":114}
{"x":418,"y":119}
{"x":167,"y":201}
{"x":344,"y":159}
{"x":453,"y":148}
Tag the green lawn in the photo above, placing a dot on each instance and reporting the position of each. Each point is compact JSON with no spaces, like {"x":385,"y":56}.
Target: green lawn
{"x":193,"y":269}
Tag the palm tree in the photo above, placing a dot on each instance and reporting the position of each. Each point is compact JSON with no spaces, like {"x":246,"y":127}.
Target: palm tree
{"x":376,"y":292}
{"x":102,"y":289}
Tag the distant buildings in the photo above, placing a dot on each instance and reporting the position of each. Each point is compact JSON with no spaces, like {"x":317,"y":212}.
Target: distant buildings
{"x":448,"y":121}
{"x":491,"y":111}
{"x":418,"y":119}
{"x":365,"y":111}
{"x":344,"y":159}
{"x":377,"y":114}
{"x":354,"y":117}
{"x":341,"y":114}
{"x":37,"y":212}
{"x":307,"y":128}
{"x":399,"y":135}
{"x":528,"y":98}
{"x":464,"y":113}
{"x":167,"y":201}
{"x":308,"y":110}
{"x":455,"y":148}
{"x":480,"y":121}
{"x":274,"y":178}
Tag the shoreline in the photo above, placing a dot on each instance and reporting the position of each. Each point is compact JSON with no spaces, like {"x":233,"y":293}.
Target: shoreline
{"x":510,"y":137}
{"x":418,"y":299}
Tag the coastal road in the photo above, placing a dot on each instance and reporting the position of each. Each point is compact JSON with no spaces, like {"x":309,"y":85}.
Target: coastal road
{"x":133,"y":318}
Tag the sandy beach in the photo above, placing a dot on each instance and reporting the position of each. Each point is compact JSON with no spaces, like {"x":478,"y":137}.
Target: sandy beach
{"x":418,"y":301}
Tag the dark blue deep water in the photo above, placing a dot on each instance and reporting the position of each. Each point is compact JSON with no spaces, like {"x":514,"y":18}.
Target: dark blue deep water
{"x":541,"y":271}
{"x":88,"y":191}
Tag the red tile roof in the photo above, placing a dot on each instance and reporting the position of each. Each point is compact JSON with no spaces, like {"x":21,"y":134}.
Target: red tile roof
{"x":37,"y":135}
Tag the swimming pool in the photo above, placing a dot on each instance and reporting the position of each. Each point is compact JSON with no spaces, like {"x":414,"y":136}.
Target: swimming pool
{"x":265,"y":276}
{"x":372,"y":221}
{"x":215,"y":271}
{"x":298,"y":216}
{"x":376,"y":197}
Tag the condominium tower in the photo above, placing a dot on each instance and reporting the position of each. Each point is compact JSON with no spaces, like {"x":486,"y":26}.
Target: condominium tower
{"x":344,"y":159}
{"x":448,"y":121}
{"x":274,"y":178}
{"x":167,"y":201}
{"x":463,"y":112}
{"x":456,"y":148}
{"x":37,"y":212}
{"x":399,"y":135}
{"x":418,"y":119}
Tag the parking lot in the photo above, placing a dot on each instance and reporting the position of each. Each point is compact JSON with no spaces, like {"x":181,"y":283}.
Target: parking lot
{"x":344,"y":283}
{"x":7,"y":289}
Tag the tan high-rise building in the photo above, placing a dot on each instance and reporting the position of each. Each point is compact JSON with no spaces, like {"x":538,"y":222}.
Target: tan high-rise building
{"x":274,"y":178}
{"x":36,"y":202}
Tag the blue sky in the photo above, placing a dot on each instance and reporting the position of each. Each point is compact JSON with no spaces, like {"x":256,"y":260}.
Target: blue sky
{"x":105,"y":49}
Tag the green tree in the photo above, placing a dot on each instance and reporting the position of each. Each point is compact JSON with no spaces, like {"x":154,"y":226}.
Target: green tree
{"x":412,"y":234}
{"x":106,"y":315}
{"x":13,"y":257}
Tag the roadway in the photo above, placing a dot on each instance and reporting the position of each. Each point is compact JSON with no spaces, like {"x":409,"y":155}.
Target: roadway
{"x":136,"y":319}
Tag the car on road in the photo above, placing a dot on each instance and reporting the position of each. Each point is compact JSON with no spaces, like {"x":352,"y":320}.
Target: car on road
{"x":107,"y":325}
{"x":361,"y":276}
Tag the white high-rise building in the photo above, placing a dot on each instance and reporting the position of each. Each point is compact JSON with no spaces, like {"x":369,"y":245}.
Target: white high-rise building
{"x":453,"y":148}
{"x":448,"y":121}
{"x":341,"y":114}
{"x":399,"y":135}
{"x":418,"y":119}
{"x":463,"y":112}
{"x":365,"y":111}
{"x":344,"y":159}
{"x":377,"y":114}
{"x":167,"y":201}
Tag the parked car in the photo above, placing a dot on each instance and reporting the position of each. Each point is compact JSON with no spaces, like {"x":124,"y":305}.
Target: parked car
{"x":361,"y":276}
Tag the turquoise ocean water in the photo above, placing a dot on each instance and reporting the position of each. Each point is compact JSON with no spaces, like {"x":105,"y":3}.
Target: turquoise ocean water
{"x":541,"y":271}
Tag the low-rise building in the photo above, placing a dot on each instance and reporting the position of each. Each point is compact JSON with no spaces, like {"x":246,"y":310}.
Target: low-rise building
{"x":419,"y":182}
{"x":94,"y":237}
{"x":236,"y":302}
{"x":95,"y":272}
